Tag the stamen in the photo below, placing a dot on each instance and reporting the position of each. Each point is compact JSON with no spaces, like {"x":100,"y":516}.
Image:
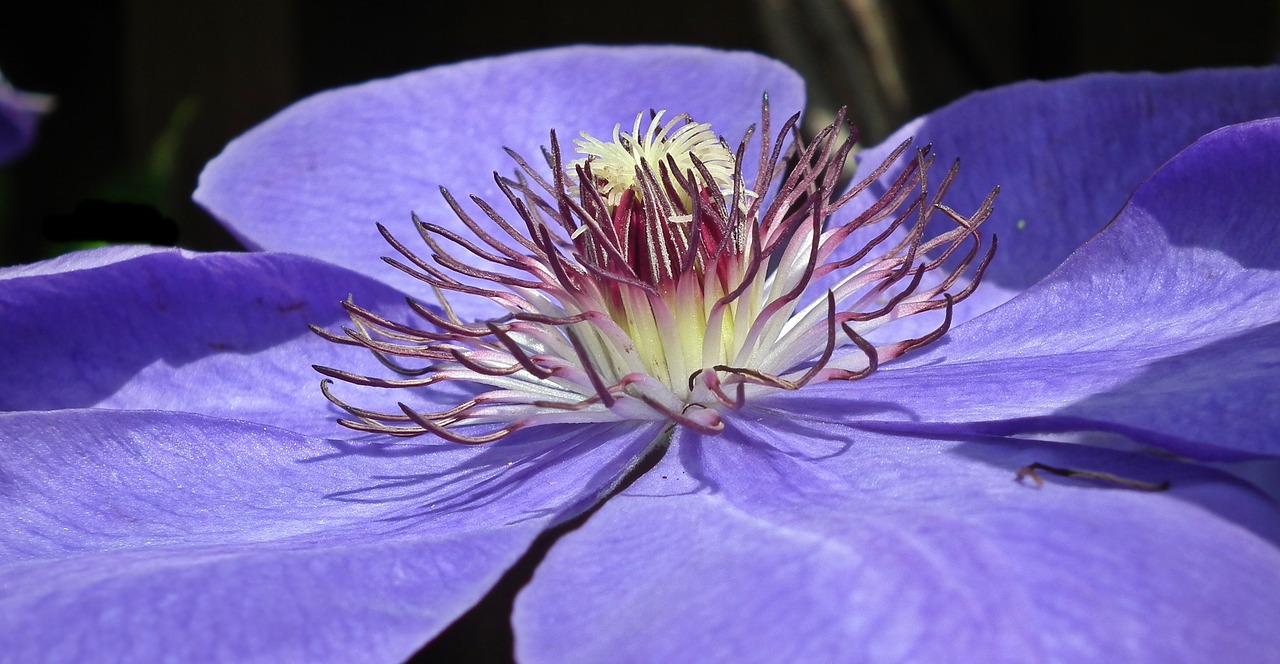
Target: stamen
{"x":647,"y":280}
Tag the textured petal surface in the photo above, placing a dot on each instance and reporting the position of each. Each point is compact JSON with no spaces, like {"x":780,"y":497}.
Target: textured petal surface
{"x":1067,"y":154}
{"x":218,"y":334}
{"x":315,"y":178}
{"x":806,"y":541}
{"x":143,"y":536}
{"x":79,"y":260}
{"x":1165,"y":327}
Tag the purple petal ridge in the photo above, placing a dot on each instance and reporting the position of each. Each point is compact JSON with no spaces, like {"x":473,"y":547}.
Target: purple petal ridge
{"x":145,"y":536}
{"x":1067,"y":154}
{"x":1176,"y":302}
{"x":769,"y":544}
{"x":317,"y":177}
{"x":217,"y":334}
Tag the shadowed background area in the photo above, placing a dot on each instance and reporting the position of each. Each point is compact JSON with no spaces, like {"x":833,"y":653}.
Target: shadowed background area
{"x":148,"y":90}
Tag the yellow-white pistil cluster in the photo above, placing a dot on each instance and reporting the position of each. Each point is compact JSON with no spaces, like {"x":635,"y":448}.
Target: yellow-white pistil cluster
{"x":649,"y":280}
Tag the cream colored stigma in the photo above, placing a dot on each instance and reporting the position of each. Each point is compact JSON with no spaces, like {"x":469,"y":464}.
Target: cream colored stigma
{"x":614,"y":164}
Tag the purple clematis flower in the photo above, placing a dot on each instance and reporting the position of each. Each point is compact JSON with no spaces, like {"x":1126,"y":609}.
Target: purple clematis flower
{"x":175,"y":487}
{"x":20,"y":114}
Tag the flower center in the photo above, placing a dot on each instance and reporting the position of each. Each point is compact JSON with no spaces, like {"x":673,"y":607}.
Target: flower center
{"x":657,"y":194}
{"x":651,"y":282}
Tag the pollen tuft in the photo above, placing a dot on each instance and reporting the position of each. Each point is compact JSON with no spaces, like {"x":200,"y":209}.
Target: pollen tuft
{"x":679,"y":143}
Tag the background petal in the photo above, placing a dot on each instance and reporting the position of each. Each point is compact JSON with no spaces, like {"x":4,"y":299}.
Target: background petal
{"x":143,"y":536}
{"x":218,"y":334}
{"x":20,"y":114}
{"x":1164,"y":327}
{"x":811,"y":542}
{"x":1067,"y":154}
{"x":317,"y":177}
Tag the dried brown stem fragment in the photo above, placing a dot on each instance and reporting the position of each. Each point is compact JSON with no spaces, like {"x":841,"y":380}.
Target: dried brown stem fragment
{"x":1033,"y":470}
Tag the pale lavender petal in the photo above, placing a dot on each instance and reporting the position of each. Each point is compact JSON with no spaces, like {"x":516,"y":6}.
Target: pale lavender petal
{"x":317,"y":177}
{"x":1067,"y":154}
{"x":795,"y":541}
{"x":79,"y":260}
{"x":218,"y":334}
{"x":144,"y":536}
{"x":1165,"y":327}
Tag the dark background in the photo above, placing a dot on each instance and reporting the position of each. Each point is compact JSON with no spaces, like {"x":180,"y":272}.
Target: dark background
{"x":148,"y":90}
